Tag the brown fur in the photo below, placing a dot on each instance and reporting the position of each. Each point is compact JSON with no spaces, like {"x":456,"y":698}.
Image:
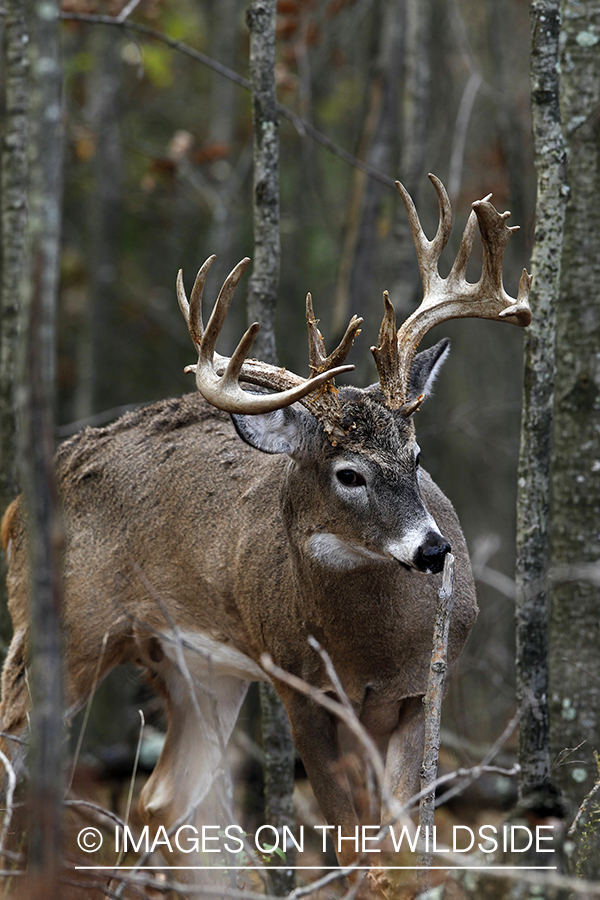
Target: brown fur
{"x":8,"y":520}
{"x":171,"y":517}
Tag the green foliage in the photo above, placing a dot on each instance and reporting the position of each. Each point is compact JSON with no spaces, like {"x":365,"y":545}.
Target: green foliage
{"x":157,"y":61}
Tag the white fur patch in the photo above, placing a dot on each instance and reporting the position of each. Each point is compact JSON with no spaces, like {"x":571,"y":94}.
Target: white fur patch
{"x":205,"y":656}
{"x":405,"y":549}
{"x":428,"y":389}
{"x":335,"y":553}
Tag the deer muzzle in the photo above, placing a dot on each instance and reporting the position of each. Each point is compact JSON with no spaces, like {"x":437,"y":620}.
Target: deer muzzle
{"x":432,"y":552}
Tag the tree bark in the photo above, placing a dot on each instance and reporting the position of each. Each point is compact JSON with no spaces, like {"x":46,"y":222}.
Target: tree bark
{"x":415,"y":128}
{"x":36,"y":431}
{"x":14,"y":222}
{"x":262,"y":298}
{"x":264,"y":281}
{"x":574,"y":625}
{"x":533,"y":498}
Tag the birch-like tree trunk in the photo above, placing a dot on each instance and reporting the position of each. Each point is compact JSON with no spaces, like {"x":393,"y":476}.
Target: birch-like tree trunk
{"x":262,"y":298}
{"x":533,"y":500}
{"x":36,"y":433}
{"x":14,"y":221}
{"x":575,"y":620}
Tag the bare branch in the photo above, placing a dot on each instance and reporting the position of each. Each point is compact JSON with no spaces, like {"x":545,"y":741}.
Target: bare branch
{"x":583,"y":808}
{"x":127,"y":10}
{"x":301,"y":125}
{"x":433,"y":704}
{"x":10,"y":791}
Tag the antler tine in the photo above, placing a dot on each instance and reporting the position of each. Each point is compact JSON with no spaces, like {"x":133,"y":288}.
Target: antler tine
{"x":182,"y":299}
{"x":234,"y":366}
{"x":428,"y":252}
{"x":318,"y":360}
{"x":386,"y":351}
{"x":459,"y":268}
{"x":452,"y":297}
{"x":220,"y":310}
{"x":192,"y":311}
{"x":317,"y":353}
{"x":217,"y":377}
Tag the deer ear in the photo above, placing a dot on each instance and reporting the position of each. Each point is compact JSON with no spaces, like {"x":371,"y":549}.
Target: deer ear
{"x":426,"y":368}
{"x":285,"y":430}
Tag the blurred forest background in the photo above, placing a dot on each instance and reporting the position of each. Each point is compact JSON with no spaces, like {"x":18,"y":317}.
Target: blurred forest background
{"x":158,"y":176}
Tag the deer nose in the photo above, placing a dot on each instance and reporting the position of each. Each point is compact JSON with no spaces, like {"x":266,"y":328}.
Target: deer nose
{"x":431,"y":553}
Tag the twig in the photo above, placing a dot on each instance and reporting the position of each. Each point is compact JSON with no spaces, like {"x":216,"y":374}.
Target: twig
{"x":13,"y":737}
{"x":330,"y":669}
{"x":132,"y":782}
{"x":335,"y":707}
{"x":474,"y":773}
{"x":86,"y":715}
{"x":459,"y":139}
{"x":433,"y":710}
{"x":177,"y":640}
{"x":95,"y":807}
{"x":301,"y":125}
{"x":127,"y":10}
{"x":10,"y":791}
{"x":582,"y":809}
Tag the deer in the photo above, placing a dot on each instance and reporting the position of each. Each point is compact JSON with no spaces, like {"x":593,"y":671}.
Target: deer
{"x":206,"y":531}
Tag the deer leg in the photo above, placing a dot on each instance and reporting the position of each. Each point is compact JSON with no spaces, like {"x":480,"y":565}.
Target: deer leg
{"x":315,"y":734}
{"x":15,"y":699}
{"x":405,"y":754}
{"x":199,"y":727}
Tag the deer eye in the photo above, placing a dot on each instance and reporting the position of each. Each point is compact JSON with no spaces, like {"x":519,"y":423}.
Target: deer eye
{"x":350,"y":478}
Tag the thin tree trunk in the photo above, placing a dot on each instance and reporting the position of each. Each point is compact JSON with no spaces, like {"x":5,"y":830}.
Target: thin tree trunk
{"x":533,"y":500}
{"x":262,"y":299}
{"x":513,"y":143}
{"x":574,"y":624}
{"x":14,"y":222}
{"x":264,"y":281}
{"x":362,"y":241}
{"x":414,"y":127}
{"x":99,"y":353}
{"x":36,"y":430}
{"x":223,"y":236}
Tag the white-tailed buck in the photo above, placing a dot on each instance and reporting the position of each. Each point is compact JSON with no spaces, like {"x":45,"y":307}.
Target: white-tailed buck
{"x":201,"y":535}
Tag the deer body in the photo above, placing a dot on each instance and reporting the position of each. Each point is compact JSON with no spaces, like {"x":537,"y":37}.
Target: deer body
{"x":171,"y":518}
{"x":196,"y":542}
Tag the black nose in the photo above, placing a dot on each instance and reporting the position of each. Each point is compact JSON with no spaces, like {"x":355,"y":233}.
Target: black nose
{"x":431,"y":553}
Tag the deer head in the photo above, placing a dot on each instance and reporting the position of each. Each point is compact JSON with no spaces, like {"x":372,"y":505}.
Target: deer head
{"x":357,"y":448}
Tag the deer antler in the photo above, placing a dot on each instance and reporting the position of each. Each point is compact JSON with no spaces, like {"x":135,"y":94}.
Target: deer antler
{"x":218,"y":377}
{"x":447,"y":298}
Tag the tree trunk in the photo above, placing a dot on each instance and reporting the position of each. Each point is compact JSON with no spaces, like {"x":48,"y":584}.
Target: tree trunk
{"x":414,"y":128}
{"x":99,"y":352}
{"x":574,"y":624}
{"x":360,"y":258}
{"x":264,"y":281}
{"x":36,"y":431}
{"x":14,"y":221}
{"x":262,"y":298}
{"x":533,"y":499}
